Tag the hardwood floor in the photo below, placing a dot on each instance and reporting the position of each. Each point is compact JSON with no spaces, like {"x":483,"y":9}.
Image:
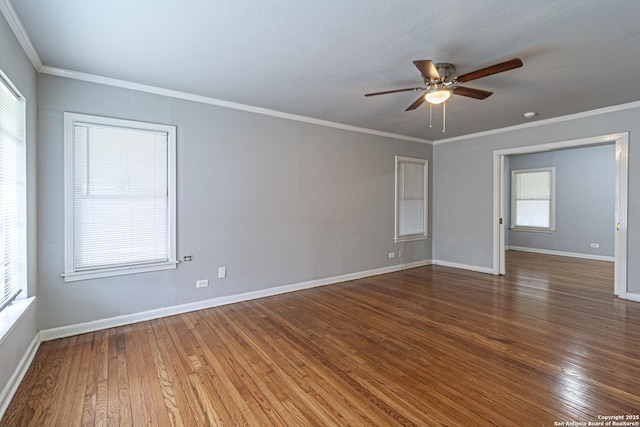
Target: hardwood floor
{"x":546,"y":344}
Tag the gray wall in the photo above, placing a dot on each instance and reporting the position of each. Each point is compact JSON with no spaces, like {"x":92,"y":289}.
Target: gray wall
{"x":463,"y":186}
{"x":275,"y":201}
{"x":585,"y":197}
{"x":16,"y":66}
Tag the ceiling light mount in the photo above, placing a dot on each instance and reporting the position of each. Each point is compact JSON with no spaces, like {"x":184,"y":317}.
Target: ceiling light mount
{"x":440,"y":89}
{"x":445,"y":69}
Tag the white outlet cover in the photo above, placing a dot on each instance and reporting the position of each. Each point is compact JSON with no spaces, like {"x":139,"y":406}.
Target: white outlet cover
{"x":222,"y":272}
{"x":202,"y":283}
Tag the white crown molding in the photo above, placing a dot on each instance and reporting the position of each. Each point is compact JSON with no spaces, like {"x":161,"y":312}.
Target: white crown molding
{"x":219,"y":102}
{"x":14,"y":22}
{"x":274,"y":113}
{"x":559,"y":119}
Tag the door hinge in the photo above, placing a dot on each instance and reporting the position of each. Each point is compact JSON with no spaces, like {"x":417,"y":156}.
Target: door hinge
{"x":500,"y":221}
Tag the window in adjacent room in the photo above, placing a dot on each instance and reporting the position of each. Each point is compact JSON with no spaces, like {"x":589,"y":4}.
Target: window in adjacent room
{"x":120,"y":197}
{"x":13,"y":235}
{"x":411,"y":199}
{"x":532,"y":199}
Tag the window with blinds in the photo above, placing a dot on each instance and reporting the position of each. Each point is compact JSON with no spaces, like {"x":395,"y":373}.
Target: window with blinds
{"x":120,"y":191}
{"x":411,"y":199}
{"x":12,"y":193}
{"x":532,"y":199}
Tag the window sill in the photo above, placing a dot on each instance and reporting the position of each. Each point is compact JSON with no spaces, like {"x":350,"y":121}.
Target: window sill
{"x":411,"y":238}
{"x":533,"y":229}
{"x":11,"y":314}
{"x":119,"y":271}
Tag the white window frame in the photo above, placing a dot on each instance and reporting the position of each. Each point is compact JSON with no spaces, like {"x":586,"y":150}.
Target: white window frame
{"x":71,"y":273}
{"x":552,"y":201}
{"x":20,"y":247}
{"x":425,"y":232}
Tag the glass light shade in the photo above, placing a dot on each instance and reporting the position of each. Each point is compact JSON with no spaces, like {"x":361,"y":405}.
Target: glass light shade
{"x":438,"y":96}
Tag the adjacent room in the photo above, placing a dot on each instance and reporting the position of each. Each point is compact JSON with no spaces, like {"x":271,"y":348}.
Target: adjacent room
{"x":292,"y":213}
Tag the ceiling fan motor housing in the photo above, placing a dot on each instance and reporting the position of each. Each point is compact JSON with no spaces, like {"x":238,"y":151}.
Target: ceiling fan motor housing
{"x":445,"y":69}
{"x":445,"y":80}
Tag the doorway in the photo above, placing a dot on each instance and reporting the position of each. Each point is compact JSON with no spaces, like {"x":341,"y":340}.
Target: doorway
{"x":621,"y":141}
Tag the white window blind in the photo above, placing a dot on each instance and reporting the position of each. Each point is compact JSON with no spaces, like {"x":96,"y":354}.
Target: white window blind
{"x":532,"y":198}
{"x":122,"y":197}
{"x":12,"y":193}
{"x":411,"y":198}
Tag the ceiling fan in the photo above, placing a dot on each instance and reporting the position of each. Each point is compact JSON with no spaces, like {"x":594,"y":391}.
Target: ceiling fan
{"x":440,"y":82}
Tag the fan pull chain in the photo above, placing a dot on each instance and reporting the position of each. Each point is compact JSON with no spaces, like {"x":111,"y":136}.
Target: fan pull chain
{"x":430,"y":115}
{"x":444,"y":117}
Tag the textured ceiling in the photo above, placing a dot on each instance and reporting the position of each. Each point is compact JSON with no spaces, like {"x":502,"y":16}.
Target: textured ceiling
{"x":318,"y":58}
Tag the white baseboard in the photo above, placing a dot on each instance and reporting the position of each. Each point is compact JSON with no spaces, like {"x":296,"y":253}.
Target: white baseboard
{"x":96,"y":325}
{"x":633,"y":297}
{"x":415,"y":264}
{"x":475,"y":268}
{"x":562,"y":253}
{"x":12,"y":385}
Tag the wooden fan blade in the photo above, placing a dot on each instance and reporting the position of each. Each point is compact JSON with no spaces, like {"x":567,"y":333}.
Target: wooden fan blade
{"x":395,"y":91}
{"x":472,"y":93}
{"x":494,"y":69}
{"x":418,"y":102}
{"x":427,"y":69}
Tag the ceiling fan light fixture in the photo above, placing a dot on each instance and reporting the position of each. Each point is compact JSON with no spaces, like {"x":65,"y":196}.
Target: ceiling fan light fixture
{"x":437,"y":96}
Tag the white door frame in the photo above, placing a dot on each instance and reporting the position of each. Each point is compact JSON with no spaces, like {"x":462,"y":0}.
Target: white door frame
{"x":621,"y":195}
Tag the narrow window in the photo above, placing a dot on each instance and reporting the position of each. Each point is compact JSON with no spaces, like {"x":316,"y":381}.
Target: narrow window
{"x":120,"y":196}
{"x":532,"y":199}
{"x":12,"y":193}
{"x":411,"y":199}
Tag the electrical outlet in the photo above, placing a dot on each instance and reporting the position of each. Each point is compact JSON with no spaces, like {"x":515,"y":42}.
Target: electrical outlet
{"x":595,"y":245}
{"x":222,"y":272}
{"x":188,"y":258}
{"x":202,"y":283}
{"x":392,"y":255}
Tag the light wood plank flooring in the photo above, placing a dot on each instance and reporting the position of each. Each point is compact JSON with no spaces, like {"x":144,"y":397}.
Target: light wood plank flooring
{"x":546,"y":344}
